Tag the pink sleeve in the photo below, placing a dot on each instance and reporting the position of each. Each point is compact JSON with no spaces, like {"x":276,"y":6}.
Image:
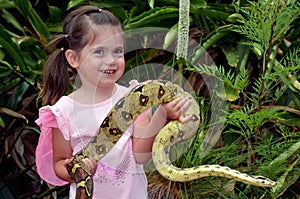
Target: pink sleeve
{"x":133,"y":83}
{"x":143,"y":115}
{"x":44,"y":154}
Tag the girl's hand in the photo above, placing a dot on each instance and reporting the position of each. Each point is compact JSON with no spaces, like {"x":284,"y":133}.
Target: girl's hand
{"x":176,"y":109}
{"x":91,"y":165}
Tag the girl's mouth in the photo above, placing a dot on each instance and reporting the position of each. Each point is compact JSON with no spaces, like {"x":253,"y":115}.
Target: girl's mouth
{"x":108,"y":71}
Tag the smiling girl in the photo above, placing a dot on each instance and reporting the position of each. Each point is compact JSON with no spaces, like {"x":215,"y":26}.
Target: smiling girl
{"x":92,"y":43}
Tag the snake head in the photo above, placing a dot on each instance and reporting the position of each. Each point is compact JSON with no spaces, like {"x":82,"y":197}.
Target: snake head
{"x":265,"y":181}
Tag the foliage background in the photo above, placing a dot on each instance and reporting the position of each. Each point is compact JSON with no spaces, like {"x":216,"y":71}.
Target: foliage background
{"x":255,"y":46}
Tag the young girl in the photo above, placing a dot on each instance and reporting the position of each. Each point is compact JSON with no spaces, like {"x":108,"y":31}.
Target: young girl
{"x":92,"y":43}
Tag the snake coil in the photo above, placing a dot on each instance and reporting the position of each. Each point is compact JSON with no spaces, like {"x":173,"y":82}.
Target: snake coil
{"x":122,"y":115}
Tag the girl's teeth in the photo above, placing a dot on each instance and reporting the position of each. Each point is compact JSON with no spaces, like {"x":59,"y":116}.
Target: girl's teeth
{"x":108,"y":71}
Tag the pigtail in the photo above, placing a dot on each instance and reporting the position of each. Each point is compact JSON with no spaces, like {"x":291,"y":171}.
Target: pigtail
{"x":55,"y":74}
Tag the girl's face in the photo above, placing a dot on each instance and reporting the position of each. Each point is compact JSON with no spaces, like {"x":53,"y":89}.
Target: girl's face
{"x":101,"y":63}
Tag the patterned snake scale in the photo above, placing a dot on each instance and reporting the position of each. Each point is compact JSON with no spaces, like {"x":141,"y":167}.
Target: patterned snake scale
{"x":122,"y":115}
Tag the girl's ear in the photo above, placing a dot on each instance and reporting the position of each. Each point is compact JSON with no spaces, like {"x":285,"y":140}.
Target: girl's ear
{"x":71,"y":57}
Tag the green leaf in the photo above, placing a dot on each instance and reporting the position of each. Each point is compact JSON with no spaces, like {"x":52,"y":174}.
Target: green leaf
{"x":119,"y":12}
{"x":286,"y":155}
{"x":37,"y":23}
{"x":26,"y":42}
{"x":16,"y":98}
{"x":2,"y":124}
{"x":231,"y":54}
{"x":171,"y":36}
{"x":56,"y":15}
{"x":12,"y":49}
{"x":235,"y":17}
{"x":210,"y":40}
{"x":196,"y":4}
{"x":2,"y":54}
{"x":289,"y":177}
{"x":232,"y":93}
{"x":212,"y":12}
{"x":11,"y":84}
{"x":4,"y":73}
{"x":23,"y":6}
{"x":39,"y":26}
{"x":74,"y":3}
{"x":151,"y":3}
{"x":104,"y":3}
{"x":6,"y":69}
{"x":152,"y":16}
{"x":6,"y":4}
{"x":11,"y":19}
{"x":13,"y":114}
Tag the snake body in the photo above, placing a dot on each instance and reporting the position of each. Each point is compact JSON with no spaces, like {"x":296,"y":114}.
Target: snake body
{"x":122,"y":115}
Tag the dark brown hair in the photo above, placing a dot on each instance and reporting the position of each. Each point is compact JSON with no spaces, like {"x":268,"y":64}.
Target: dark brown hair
{"x":79,"y":29}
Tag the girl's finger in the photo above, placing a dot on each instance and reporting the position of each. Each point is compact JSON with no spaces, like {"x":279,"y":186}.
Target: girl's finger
{"x":179,"y":103}
{"x":86,"y":162}
{"x":175,"y":102}
{"x":184,"y":119}
{"x":186,"y":105}
{"x":90,"y":163}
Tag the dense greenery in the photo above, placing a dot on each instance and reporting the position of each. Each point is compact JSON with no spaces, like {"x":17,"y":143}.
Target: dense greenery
{"x":254,"y":53}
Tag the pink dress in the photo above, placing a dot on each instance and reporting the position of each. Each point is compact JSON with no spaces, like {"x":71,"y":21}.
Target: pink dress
{"x":118,"y":174}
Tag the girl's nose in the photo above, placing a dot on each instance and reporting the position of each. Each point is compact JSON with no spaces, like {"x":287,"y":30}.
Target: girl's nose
{"x":111,"y":59}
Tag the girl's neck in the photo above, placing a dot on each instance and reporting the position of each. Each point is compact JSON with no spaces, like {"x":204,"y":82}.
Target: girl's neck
{"x":86,"y":95}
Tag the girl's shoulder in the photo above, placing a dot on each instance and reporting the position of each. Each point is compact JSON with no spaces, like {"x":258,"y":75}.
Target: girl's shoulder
{"x":121,"y":90}
{"x":54,"y":115}
{"x":64,"y":102}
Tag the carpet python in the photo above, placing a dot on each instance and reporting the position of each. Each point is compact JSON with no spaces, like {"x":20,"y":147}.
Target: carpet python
{"x":122,"y":115}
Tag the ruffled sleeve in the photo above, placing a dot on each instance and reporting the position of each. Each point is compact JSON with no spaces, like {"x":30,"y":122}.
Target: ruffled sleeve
{"x":133,"y":83}
{"x":48,"y":117}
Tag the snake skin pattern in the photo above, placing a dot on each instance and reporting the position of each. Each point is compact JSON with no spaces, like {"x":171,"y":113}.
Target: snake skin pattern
{"x":122,"y":115}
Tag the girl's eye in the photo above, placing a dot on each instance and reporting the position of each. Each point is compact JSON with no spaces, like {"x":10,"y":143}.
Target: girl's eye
{"x":119,"y":52}
{"x":100,"y":52}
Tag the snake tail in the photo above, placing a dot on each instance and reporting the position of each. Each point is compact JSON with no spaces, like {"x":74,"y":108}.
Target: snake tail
{"x":161,"y":159}
{"x":173,"y":173}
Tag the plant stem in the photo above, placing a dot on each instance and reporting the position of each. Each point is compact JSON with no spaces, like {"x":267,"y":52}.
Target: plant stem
{"x":183,"y":35}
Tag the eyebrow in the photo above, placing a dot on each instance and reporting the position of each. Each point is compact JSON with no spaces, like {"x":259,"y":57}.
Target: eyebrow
{"x":104,"y":47}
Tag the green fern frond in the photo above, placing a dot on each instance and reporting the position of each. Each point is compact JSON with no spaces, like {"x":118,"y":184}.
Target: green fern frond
{"x":246,"y":121}
{"x":242,"y":80}
{"x":233,"y":83}
{"x":292,"y":59}
{"x":287,"y":13}
{"x":254,"y":96}
{"x":267,"y":21}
